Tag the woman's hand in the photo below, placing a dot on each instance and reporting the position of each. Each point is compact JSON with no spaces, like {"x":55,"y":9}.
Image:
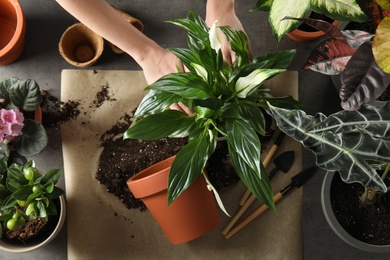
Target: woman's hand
{"x":223,"y":11}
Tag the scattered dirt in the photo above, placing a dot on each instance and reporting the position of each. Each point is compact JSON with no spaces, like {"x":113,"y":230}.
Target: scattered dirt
{"x":370,"y":224}
{"x":121,"y":159}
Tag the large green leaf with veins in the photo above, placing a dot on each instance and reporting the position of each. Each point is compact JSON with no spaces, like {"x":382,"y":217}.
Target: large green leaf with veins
{"x":344,"y":142}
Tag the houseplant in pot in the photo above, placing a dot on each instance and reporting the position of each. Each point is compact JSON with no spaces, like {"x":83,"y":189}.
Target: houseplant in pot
{"x":13,"y":30}
{"x":22,"y":133}
{"x":358,"y":58}
{"x":32,"y":208}
{"x":279,"y":9}
{"x":355,"y":212}
{"x":229,"y":104}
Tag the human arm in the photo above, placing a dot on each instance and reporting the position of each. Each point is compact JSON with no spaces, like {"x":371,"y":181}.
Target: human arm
{"x":100,"y":17}
{"x":224,"y":12}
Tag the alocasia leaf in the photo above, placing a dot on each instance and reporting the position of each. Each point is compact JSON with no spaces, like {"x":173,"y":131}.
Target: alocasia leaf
{"x":362,"y":80}
{"x":381,"y":45}
{"x":342,"y":142}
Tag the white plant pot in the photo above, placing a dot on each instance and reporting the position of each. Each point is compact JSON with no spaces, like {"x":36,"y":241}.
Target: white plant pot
{"x":337,"y":228}
{"x":42,"y":240}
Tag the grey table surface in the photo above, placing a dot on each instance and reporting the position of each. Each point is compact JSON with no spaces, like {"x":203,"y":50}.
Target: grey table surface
{"x":41,"y":61}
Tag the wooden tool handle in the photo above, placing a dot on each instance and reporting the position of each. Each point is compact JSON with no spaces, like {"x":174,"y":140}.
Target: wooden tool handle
{"x":239,"y":214}
{"x":251,"y":217}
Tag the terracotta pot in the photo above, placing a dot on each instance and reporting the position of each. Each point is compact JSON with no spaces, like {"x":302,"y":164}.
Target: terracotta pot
{"x":303,"y":36}
{"x":80,"y":46}
{"x":13,"y":30}
{"x":191,"y":215}
{"x":53,"y":228}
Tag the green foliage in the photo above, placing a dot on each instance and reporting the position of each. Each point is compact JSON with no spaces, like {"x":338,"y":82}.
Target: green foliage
{"x":228,"y":101}
{"x":350,"y":142}
{"x":26,"y":96}
{"x":343,"y":10}
{"x":25,"y":194}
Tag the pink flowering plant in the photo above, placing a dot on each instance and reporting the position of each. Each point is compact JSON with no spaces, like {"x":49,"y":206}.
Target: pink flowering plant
{"x":18,"y":100}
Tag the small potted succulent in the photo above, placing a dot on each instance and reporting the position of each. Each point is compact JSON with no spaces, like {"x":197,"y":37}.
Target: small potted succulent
{"x":32,"y":208}
{"x":21,"y":130}
{"x":279,"y":9}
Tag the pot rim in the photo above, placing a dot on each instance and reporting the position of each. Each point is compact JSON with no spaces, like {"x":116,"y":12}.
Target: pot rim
{"x":20,"y":27}
{"x":335,"y":225}
{"x":151,"y":180}
{"x":26,"y":248}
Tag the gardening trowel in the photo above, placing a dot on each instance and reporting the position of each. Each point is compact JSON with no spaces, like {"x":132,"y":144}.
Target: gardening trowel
{"x":283,"y":163}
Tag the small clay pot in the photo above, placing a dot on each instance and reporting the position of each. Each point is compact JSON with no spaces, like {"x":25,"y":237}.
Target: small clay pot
{"x":80,"y":46}
{"x":130,"y":19}
{"x":191,"y":215}
{"x":12,"y":31}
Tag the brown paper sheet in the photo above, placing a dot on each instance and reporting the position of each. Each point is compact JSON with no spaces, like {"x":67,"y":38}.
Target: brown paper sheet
{"x":100,"y":227}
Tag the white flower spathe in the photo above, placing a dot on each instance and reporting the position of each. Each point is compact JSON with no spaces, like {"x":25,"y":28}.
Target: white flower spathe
{"x":215,"y":42}
{"x":200,"y":71}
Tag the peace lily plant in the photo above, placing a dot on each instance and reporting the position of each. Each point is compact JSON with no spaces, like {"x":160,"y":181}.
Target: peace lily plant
{"x":228,"y":103}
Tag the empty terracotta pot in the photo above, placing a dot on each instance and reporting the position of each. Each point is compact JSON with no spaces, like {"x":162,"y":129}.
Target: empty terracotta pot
{"x":80,"y":46}
{"x":12,"y":31}
{"x":191,"y":215}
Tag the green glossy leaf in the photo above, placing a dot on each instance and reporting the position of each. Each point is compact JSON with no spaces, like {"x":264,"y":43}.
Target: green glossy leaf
{"x":262,"y":5}
{"x":33,"y":140}
{"x":342,"y":10}
{"x":244,"y":140}
{"x":41,"y":209}
{"x":187,"y":85}
{"x":258,"y":185}
{"x":49,"y":187}
{"x":342,"y":142}
{"x":8,"y":203}
{"x":32,"y":209}
{"x":26,"y":94}
{"x":57,"y":192}
{"x":197,"y":30}
{"x":253,"y":114}
{"x":239,"y":44}
{"x":15,"y":173}
{"x":187,"y":57}
{"x":276,"y":60}
{"x":51,"y":176}
{"x":155,"y":101}
{"x":281,"y":9}
{"x":381,"y":45}
{"x":161,"y":125}
{"x":189,"y":163}
{"x":22,"y":194}
{"x":51,"y":209}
